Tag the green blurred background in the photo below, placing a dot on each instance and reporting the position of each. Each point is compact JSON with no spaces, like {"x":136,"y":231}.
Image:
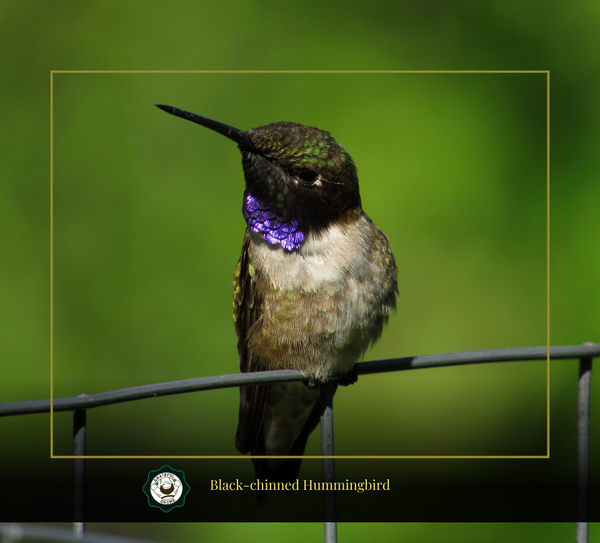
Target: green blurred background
{"x":148,"y":224}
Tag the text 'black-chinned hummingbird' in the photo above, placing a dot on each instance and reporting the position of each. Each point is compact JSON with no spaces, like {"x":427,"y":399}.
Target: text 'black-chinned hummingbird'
{"x":314,"y":285}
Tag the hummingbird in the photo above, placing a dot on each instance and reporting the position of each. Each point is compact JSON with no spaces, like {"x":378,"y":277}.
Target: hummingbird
{"x":313,"y":288}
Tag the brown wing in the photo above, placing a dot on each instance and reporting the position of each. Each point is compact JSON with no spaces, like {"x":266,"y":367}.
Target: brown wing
{"x":247,"y":309}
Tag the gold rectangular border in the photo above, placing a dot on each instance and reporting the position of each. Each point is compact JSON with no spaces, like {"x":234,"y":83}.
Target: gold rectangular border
{"x":245,"y":457}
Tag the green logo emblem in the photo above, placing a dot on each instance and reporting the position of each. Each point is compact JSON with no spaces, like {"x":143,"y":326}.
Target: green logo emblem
{"x":166,"y":488}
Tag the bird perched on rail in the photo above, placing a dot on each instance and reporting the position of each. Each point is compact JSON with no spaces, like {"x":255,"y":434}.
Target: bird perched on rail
{"x":314,"y":285}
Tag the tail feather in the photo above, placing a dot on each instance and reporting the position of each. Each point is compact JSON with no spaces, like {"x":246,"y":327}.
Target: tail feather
{"x":289,"y":469}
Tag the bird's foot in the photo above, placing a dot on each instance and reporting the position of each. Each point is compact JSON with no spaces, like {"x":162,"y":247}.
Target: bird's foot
{"x":349,"y":378}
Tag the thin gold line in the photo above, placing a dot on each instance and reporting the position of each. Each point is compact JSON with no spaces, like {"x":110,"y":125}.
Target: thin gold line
{"x":309,"y":457}
{"x":300,"y":71}
{"x":548,"y":258}
{"x":51,"y":263}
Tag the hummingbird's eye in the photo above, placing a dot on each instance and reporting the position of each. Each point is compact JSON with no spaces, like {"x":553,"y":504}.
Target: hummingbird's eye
{"x":307,"y":176}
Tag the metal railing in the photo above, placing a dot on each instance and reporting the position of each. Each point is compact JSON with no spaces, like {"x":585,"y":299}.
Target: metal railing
{"x":585,"y":353}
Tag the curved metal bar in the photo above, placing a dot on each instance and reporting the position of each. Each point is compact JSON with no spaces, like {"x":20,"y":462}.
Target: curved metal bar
{"x":284,"y":376}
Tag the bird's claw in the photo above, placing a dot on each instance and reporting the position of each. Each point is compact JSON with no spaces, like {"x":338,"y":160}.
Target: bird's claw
{"x":349,"y":378}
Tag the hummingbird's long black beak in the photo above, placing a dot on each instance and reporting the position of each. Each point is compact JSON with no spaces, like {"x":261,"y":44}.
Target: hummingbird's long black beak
{"x":241,"y":137}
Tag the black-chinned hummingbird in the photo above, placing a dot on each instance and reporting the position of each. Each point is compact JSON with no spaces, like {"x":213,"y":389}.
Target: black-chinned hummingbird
{"x":313,"y":288}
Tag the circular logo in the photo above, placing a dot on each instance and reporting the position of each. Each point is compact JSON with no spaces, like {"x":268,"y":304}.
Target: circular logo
{"x":166,"y":488}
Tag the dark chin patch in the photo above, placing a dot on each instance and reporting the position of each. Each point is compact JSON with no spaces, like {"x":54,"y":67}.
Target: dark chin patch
{"x":285,"y":210}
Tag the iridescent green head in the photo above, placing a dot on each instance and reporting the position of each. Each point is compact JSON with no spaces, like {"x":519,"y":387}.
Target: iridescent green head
{"x":303,"y":171}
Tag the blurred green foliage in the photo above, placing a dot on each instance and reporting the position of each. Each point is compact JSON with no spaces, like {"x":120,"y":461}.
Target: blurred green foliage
{"x":148,"y":225}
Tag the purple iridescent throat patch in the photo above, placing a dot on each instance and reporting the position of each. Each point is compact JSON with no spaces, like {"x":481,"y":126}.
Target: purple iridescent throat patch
{"x":275,"y":230}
